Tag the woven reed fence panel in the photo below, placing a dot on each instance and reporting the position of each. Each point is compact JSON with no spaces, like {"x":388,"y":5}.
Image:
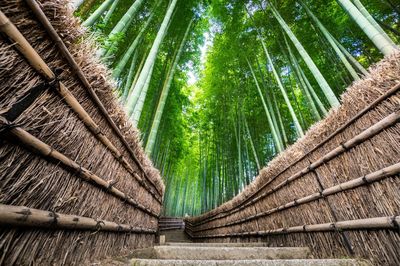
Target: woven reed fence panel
{"x":27,"y":179}
{"x":230,"y":222}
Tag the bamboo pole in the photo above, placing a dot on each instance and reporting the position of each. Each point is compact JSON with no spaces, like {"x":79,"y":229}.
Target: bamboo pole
{"x":364,"y":111}
{"x":24,"y":216}
{"x":39,"y":65}
{"x":23,"y":46}
{"x":38,"y":12}
{"x":352,"y":184}
{"x":361,"y":137}
{"x":49,"y":152}
{"x":170,"y":228}
{"x":376,"y":223}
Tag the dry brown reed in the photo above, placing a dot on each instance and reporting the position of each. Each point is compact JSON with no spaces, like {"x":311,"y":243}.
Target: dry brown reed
{"x":333,"y":184}
{"x":38,"y":182}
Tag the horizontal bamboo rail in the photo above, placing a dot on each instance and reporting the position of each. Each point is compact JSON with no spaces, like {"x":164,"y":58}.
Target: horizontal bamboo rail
{"x":24,"y":216}
{"x":364,"y":111}
{"x":377,"y":223}
{"x":361,"y":181}
{"x":32,"y":56}
{"x":370,"y":132}
{"x":170,"y":228}
{"x":49,"y":152}
{"x":37,"y":11}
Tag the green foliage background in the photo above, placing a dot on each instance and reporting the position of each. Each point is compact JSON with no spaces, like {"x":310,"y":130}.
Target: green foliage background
{"x":197,"y":147}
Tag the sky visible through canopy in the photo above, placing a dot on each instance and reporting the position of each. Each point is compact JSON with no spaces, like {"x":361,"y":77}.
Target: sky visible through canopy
{"x":218,"y":88}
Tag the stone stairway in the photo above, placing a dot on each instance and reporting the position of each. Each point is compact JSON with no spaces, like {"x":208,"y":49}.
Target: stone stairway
{"x":192,"y":254}
{"x":186,"y":253}
{"x":175,"y":236}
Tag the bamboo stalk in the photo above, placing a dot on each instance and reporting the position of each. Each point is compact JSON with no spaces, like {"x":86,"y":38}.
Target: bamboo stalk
{"x":370,"y":132}
{"x":361,"y":181}
{"x":47,"y":151}
{"x":38,"y":64}
{"x":376,"y":223}
{"x":24,"y":216}
{"x":38,"y":12}
{"x":364,"y":111}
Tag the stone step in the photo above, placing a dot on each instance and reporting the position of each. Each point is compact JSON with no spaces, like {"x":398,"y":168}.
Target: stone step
{"x":222,"y":253}
{"x":203,"y":244}
{"x":175,"y":236}
{"x":295,"y":262}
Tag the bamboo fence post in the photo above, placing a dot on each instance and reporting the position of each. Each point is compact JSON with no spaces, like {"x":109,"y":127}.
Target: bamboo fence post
{"x":39,"y":65}
{"x":23,"y":216}
{"x":38,"y":12}
{"x":361,"y":113}
{"x":48,"y":152}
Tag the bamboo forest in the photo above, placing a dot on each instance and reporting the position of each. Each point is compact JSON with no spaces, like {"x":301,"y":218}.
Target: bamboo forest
{"x":200,"y":132}
{"x":219,"y":88}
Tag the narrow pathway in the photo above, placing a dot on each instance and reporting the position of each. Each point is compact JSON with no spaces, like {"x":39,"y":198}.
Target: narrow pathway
{"x":238,"y":254}
{"x":178,"y":249}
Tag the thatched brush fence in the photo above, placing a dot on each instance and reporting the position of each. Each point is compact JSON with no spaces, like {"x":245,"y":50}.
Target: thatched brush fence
{"x":336,"y":190}
{"x":75,"y":184}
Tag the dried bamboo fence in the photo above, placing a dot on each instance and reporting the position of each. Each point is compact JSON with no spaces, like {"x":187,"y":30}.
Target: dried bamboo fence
{"x":336,"y":190}
{"x":75,"y":184}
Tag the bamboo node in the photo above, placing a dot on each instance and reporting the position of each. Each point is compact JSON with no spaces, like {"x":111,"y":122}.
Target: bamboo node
{"x":365,"y":180}
{"x":98,"y":132}
{"x":51,"y":151}
{"x":333,"y":226}
{"x":53,"y":215}
{"x":111,"y":183}
{"x":126,"y":197}
{"x":395,"y":223}
{"x":24,"y":215}
{"x":99,"y":225}
{"x":79,"y":171}
{"x":6,"y":126}
{"x":54,"y":83}
{"x":343,"y":145}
